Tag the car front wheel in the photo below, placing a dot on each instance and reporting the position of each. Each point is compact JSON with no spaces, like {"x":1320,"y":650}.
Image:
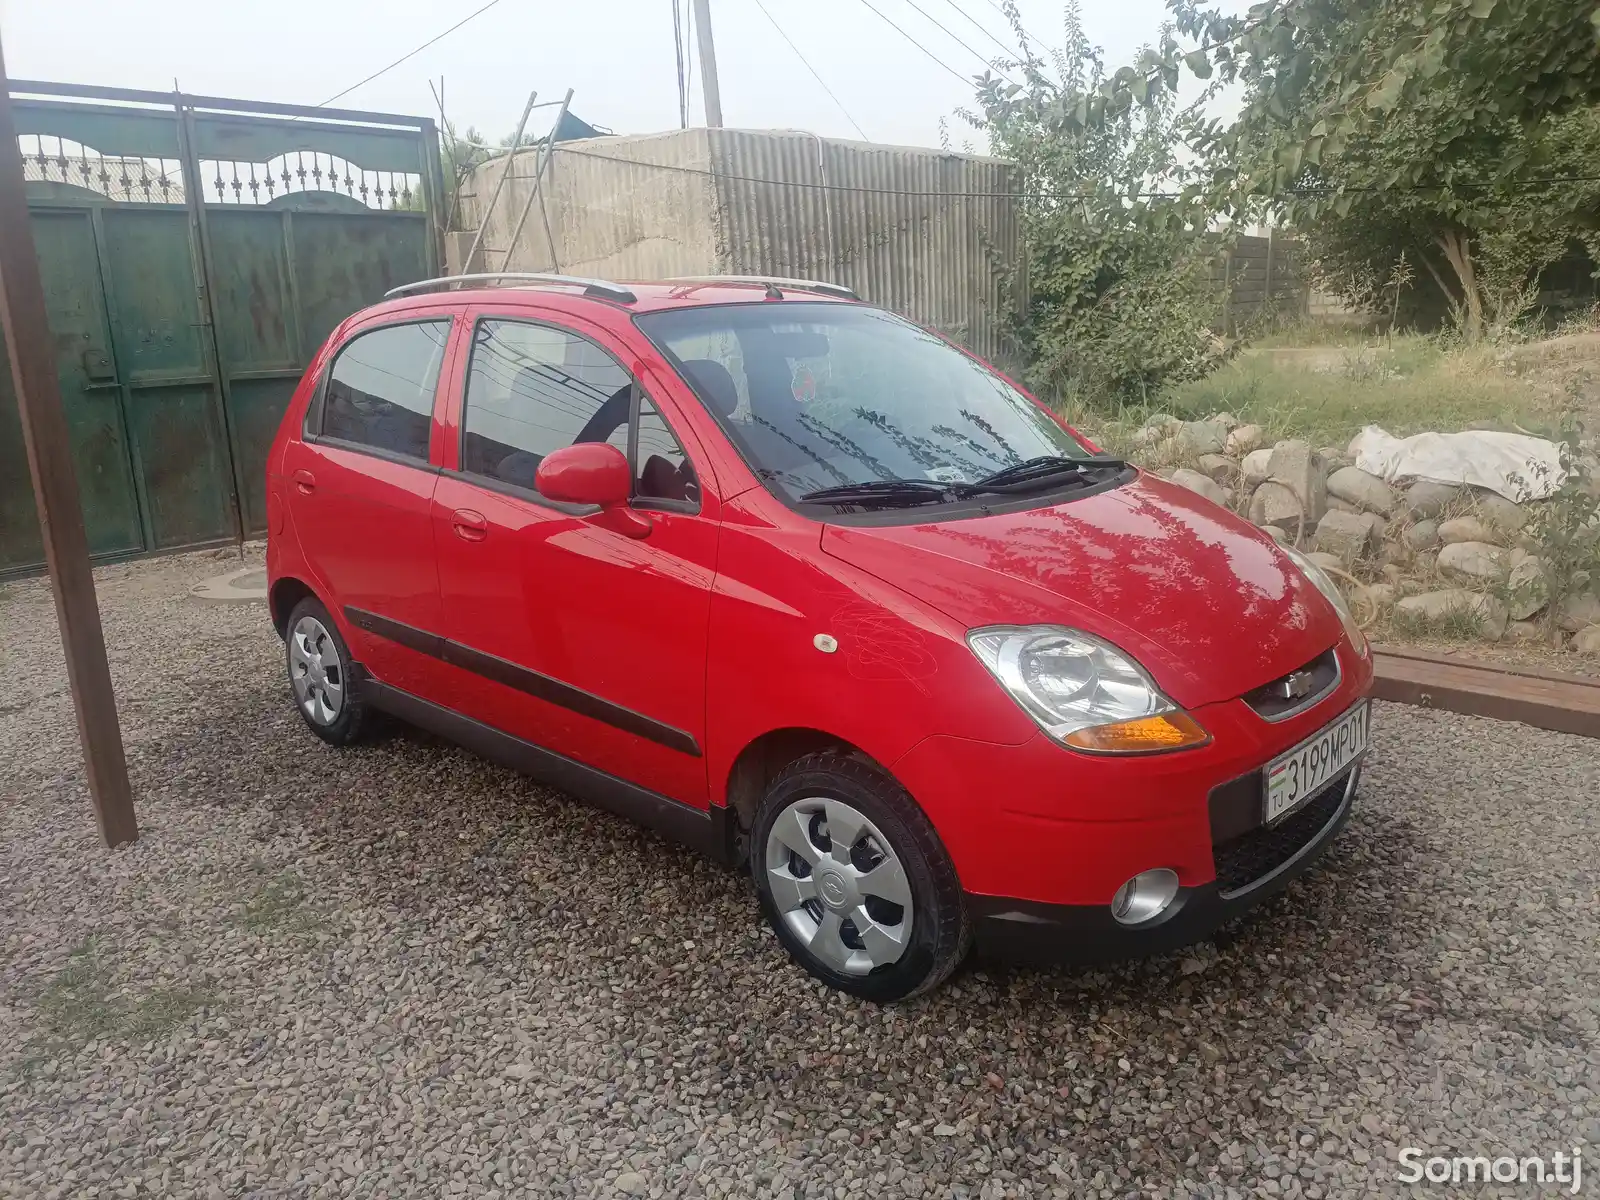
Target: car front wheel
{"x":855,"y":881}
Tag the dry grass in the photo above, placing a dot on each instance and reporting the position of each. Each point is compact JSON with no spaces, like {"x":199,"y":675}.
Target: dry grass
{"x":1327,"y":392}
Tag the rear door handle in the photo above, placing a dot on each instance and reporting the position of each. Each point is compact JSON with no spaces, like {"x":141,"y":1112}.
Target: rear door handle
{"x":469,"y":526}
{"x":305,"y":481}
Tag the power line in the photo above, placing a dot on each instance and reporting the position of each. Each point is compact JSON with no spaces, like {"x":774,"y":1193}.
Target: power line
{"x":963,"y":78}
{"x":1528,"y":184}
{"x":831,"y":187}
{"x":677,"y":47}
{"x":412,"y":54}
{"x":1026,"y":33}
{"x":813,"y":70}
{"x":982,"y":28}
{"x":940,"y":25}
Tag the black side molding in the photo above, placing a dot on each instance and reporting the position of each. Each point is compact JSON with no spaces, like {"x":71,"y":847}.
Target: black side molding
{"x":707,"y":831}
{"x":522,"y":679}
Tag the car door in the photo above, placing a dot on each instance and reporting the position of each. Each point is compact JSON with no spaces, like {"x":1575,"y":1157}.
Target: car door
{"x":567,"y":633}
{"x":360,"y":484}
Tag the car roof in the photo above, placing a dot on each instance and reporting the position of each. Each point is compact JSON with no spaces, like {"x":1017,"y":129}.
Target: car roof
{"x":649,"y":296}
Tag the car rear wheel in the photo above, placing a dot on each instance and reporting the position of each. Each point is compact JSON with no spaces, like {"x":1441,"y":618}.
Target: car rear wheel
{"x":328,"y":697}
{"x":855,"y":881}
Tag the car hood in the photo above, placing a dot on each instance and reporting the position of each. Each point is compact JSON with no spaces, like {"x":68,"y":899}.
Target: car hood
{"x":1205,"y":601}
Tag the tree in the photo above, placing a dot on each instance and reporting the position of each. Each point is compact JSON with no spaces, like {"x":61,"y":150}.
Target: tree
{"x":1434,"y":129}
{"x":1119,"y":259}
{"x":1322,"y":71}
{"x":1481,"y":239}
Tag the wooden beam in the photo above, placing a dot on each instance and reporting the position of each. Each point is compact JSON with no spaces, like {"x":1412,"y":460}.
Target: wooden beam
{"x":55,"y":491}
{"x":1546,"y":700}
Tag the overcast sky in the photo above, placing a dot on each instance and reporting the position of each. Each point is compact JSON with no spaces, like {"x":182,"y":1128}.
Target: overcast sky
{"x":616,"y":54}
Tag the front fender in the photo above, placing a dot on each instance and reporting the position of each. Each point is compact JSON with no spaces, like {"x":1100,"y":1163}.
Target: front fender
{"x":800,"y":640}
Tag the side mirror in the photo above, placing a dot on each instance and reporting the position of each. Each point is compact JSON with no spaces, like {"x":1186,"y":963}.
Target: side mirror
{"x":593,"y":473}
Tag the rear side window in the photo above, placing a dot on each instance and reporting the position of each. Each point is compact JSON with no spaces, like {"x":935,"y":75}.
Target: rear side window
{"x":535,"y":389}
{"x":381,"y":388}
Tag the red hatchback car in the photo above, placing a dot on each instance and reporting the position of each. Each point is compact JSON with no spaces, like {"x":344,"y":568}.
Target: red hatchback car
{"x":801,"y":584}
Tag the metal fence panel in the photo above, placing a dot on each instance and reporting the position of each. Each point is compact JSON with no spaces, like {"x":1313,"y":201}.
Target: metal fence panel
{"x":932,"y":235}
{"x":195,"y":252}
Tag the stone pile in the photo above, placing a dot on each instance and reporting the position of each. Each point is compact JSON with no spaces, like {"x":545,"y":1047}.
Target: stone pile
{"x":1434,"y":556}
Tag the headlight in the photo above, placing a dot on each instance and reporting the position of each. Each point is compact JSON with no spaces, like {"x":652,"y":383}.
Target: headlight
{"x":1324,"y":583}
{"x":1083,"y":690}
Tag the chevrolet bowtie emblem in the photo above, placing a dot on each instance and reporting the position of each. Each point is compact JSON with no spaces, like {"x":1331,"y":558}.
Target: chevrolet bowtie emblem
{"x":1296,"y":685}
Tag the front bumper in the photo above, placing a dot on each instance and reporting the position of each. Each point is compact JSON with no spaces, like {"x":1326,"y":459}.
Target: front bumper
{"x":1027,"y":931}
{"x":1042,"y":837}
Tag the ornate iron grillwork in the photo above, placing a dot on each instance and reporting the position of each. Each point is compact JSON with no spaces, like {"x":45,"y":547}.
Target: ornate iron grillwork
{"x":47,"y":159}
{"x":240,"y":182}
{"x":126,"y":179}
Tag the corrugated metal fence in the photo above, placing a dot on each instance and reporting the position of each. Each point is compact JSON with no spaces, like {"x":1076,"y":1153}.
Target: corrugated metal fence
{"x":932,"y":235}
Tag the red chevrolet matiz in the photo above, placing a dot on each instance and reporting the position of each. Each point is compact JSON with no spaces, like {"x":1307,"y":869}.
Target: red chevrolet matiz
{"x":803,"y":585}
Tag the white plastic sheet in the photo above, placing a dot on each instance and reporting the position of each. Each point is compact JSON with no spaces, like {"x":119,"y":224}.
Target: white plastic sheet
{"x":1516,"y":465}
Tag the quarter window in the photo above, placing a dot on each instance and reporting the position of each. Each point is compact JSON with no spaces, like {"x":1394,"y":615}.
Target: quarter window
{"x":381,"y":388}
{"x":663,"y":471}
{"x":535,"y":389}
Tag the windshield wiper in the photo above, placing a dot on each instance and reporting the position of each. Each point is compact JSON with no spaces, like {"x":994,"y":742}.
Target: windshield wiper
{"x":1046,"y":469}
{"x":889,"y":493}
{"x":1027,"y":476}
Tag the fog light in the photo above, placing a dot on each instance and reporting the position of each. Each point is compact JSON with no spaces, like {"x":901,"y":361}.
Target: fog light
{"x":1145,"y":897}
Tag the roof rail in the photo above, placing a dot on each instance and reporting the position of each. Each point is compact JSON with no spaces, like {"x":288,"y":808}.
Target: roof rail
{"x":603,"y":288}
{"x":773,"y":282}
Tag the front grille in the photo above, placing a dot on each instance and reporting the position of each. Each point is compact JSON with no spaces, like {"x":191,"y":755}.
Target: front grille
{"x":1250,"y":856}
{"x":1276,"y":701}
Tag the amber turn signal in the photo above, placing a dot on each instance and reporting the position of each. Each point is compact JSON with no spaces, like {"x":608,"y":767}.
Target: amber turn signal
{"x":1145,"y":735}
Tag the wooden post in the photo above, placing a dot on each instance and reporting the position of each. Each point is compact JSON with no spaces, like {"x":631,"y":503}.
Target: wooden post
{"x":1227,"y":293}
{"x":1266,"y":299}
{"x":55,"y":491}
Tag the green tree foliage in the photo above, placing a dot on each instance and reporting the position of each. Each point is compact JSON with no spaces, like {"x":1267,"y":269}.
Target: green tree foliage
{"x":1119,"y":256}
{"x":1322,"y":71}
{"x":1457,"y":132}
{"x":1482,"y":239}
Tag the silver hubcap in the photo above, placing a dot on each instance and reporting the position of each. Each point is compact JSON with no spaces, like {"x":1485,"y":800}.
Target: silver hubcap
{"x":315,"y":672}
{"x":838,"y":885}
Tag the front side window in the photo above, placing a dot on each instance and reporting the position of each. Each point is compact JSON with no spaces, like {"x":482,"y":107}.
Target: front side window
{"x":535,"y":389}
{"x":819,"y":396}
{"x":381,"y":388}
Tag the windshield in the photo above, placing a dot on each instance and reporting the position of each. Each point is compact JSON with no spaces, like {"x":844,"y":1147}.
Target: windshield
{"x":819,"y":396}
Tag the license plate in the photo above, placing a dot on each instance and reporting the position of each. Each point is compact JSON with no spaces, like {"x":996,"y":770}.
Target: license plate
{"x":1295,"y":776}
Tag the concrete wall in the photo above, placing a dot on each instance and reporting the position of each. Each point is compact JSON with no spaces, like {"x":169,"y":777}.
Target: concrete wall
{"x":1264,"y":281}
{"x":618,"y":208}
{"x":924,"y":233}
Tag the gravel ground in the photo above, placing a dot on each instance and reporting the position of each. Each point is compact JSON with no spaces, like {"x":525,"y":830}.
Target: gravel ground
{"x":398,"y":970}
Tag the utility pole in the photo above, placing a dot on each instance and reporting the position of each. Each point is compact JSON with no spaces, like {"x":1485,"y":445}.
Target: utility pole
{"x":55,"y":492}
{"x":708,"y":64}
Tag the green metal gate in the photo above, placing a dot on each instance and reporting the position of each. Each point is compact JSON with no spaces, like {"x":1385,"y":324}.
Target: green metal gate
{"x":195,"y":252}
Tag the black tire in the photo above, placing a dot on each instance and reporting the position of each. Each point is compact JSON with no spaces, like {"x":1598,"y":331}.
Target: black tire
{"x":353,"y":714}
{"x":940,"y":934}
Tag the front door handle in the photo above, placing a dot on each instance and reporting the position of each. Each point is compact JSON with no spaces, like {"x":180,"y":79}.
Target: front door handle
{"x":305,"y":481}
{"x":469,"y":526}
